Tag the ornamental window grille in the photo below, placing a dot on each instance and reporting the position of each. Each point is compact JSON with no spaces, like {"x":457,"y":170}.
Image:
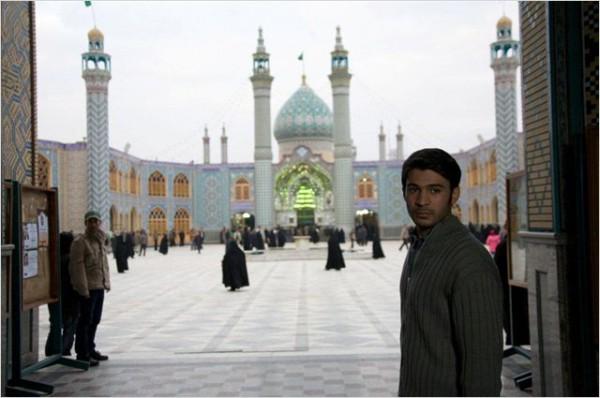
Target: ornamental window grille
{"x":157,"y":185}
{"x":157,"y":222}
{"x":366,"y":188}
{"x":242,"y":189}
{"x":182,"y":221}
{"x":181,"y":186}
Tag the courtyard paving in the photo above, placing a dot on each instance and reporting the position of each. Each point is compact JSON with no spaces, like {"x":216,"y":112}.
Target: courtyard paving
{"x":172,"y":329}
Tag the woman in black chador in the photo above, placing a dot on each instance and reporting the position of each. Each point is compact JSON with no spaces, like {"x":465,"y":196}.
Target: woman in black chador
{"x":335,"y":259}
{"x":164,"y":244}
{"x":377,"y":250}
{"x":235,"y":273}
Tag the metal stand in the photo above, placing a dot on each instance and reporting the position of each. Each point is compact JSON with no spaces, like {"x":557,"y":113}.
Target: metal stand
{"x":16,"y":385}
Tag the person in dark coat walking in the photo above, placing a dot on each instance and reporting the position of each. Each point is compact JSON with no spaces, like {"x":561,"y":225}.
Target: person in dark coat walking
{"x":260,"y":243}
{"x":181,"y":238}
{"x":335,"y":258}
{"x":122,"y":252}
{"x":164,"y":245}
{"x":377,"y":250}
{"x":235,"y":273}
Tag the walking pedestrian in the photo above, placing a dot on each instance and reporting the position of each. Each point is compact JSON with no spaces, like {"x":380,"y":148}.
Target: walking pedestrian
{"x":335,"y":258}
{"x":235,"y":273}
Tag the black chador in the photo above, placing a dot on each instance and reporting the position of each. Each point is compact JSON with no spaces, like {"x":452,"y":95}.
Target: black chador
{"x":235,"y":273}
{"x":122,"y":252}
{"x":377,"y":250}
{"x":260,"y":243}
{"x":335,"y":258}
{"x":164,"y":244}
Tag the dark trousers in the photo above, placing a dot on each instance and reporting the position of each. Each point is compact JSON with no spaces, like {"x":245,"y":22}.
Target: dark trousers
{"x":91,"y":313}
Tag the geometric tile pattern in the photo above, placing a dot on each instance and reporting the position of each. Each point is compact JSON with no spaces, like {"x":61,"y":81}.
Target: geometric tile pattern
{"x":297,"y":330}
{"x":391,"y":202}
{"x":211,"y":198}
{"x":17,"y":91}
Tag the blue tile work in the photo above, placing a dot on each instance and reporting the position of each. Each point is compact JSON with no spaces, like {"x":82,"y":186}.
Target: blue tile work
{"x":211,"y":198}
{"x":392,"y":208}
{"x":17,"y":112}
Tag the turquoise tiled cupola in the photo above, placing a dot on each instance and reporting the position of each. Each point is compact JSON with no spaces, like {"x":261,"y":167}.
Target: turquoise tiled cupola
{"x":304,"y":115}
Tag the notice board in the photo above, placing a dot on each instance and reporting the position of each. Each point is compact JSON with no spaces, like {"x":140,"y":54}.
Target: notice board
{"x":39,"y":246}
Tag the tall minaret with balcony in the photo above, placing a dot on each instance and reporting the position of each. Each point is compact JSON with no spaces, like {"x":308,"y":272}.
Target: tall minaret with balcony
{"x":342,"y":168}
{"x":381,"y":143}
{"x":224,"y":147}
{"x":263,"y":156}
{"x":399,"y":143}
{"x":206,"y":143}
{"x":505,"y":55}
{"x":96,"y":65}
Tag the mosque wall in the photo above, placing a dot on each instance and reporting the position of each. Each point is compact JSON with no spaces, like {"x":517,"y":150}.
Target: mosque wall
{"x":211,"y":200}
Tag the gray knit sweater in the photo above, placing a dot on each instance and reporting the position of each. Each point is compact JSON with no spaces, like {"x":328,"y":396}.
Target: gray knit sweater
{"x":451,"y":311}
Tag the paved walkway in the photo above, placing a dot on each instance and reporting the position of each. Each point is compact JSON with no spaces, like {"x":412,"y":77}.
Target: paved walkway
{"x":172,"y":329}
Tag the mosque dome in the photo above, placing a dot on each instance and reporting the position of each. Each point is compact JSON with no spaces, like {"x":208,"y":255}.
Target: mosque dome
{"x":304,"y":116}
{"x":504,"y":22}
{"x":95,"y":35}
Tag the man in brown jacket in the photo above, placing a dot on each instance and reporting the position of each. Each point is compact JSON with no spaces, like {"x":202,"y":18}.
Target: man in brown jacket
{"x":90,"y":277}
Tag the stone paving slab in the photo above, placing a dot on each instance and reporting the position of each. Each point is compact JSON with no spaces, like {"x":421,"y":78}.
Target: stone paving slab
{"x":172,"y":329}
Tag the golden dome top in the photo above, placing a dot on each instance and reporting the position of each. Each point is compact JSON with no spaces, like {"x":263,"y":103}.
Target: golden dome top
{"x":504,"y":22}
{"x":95,"y":35}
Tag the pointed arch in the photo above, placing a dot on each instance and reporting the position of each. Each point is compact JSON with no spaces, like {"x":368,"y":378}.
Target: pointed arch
{"x":157,"y":185}
{"x":133,"y":217}
{"x":492,"y":167}
{"x":181,"y":186}
{"x":114,"y":219}
{"x":157,"y":222}
{"x":366,"y":187}
{"x":241,"y":189}
{"x":181,"y":222}
{"x":133,"y":182}
{"x":494,"y":211}
{"x":474,"y":212}
{"x":114,"y":176}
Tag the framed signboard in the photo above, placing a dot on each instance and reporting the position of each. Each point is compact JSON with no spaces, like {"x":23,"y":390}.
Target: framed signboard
{"x":516,"y":199}
{"x":39,"y":243}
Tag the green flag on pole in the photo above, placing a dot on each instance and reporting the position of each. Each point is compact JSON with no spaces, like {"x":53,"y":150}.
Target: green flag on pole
{"x":88,"y":3}
{"x":301,"y":57}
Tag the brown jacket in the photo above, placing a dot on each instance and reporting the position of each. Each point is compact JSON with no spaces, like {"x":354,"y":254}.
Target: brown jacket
{"x":89,"y":265}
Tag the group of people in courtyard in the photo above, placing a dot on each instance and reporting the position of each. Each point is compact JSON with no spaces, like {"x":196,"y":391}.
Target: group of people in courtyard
{"x":450,"y":289}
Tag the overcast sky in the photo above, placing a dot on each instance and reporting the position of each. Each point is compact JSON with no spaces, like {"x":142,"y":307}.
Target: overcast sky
{"x":177,"y":66}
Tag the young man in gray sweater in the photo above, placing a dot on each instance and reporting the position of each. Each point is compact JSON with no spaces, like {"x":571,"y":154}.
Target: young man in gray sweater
{"x":450,"y":289}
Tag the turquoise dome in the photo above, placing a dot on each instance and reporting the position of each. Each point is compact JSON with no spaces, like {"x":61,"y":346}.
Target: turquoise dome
{"x":304,"y":115}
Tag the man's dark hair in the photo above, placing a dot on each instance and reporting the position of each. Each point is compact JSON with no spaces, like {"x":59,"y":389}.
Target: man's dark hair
{"x":433,"y":159}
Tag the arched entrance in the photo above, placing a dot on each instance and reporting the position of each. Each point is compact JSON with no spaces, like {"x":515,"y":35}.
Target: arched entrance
{"x":303,"y":195}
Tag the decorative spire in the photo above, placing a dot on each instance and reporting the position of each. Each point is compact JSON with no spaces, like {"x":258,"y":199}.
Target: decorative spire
{"x":205,"y":130}
{"x":303,"y":79}
{"x":399,"y":130}
{"x":338,"y":40}
{"x":381,"y":133}
{"x":223,"y":130}
{"x":260,"y":48}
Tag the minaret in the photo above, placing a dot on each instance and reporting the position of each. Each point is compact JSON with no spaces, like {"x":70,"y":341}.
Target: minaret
{"x":505,"y":60}
{"x":343,"y":187}
{"x":223,"y":147}
{"x":381,"y":143}
{"x":399,"y":143}
{"x":206,"y":141}
{"x":96,"y":67}
{"x":263,"y":156}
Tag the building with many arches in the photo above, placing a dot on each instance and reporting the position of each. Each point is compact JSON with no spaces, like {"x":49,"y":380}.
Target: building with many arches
{"x":315,"y":180}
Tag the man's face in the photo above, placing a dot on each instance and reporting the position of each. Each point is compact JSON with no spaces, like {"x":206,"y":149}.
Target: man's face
{"x":92,"y":225}
{"x":428,"y":198}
